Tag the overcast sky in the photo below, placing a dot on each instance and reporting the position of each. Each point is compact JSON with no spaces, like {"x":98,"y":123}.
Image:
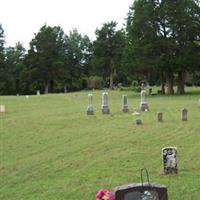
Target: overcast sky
{"x":22,"y":18}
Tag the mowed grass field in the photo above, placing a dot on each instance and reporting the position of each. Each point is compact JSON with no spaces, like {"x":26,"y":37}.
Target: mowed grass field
{"x":50,"y":148}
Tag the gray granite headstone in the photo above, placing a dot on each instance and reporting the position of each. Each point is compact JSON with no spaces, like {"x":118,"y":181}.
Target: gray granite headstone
{"x":124,"y":103}
{"x":143,"y":102}
{"x":184,"y":113}
{"x":170,"y":162}
{"x":90,"y":110}
{"x":139,"y":191}
{"x":160,"y":116}
{"x":2,"y":109}
{"x":104,"y":107}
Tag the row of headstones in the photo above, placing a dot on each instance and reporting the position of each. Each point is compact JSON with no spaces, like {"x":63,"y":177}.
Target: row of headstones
{"x":105,"y":107}
{"x":143,"y":105}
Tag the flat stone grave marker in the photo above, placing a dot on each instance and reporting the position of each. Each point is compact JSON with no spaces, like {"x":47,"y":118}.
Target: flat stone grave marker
{"x":124,"y":103}
{"x":170,"y":162}
{"x":90,"y":110}
{"x":2,"y":109}
{"x":104,"y":107}
{"x":184,"y":113}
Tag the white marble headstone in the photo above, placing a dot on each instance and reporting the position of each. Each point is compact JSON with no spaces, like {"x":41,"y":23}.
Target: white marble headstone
{"x":143,"y":102}
{"x":38,"y":92}
{"x":104,"y":107}
{"x":90,"y":110}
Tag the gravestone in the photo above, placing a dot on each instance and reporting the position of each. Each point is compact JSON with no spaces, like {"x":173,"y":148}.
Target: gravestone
{"x":2,"y":109}
{"x":90,"y":110}
{"x":160,"y":116}
{"x":138,"y":121}
{"x":124,"y":103}
{"x":184,"y":112}
{"x":170,"y":162}
{"x":38,"y":92}
{"x":143,"y":102}
{"x":138,"y":191}
{"x":104,"y":107}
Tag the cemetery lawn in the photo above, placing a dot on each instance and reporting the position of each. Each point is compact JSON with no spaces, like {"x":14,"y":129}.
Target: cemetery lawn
{"x":50,"y":149}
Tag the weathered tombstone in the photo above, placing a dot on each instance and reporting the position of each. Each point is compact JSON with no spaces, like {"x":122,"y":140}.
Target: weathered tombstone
{"x":184,"y":112}
{"x":90,"y":110}
{"x":138,"y":121}
{"x":160,"y":116}
{"x":38,"y":92}
{"x":170,"y":162}
{"x":2,"y":109}
{"x":138,"y":191}
{"x":124,"y":103}
{"x":143,"y":102}
{"x":104,"y":107}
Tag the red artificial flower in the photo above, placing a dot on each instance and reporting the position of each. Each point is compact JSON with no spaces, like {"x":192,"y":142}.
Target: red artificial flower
{"x":105,"y":194}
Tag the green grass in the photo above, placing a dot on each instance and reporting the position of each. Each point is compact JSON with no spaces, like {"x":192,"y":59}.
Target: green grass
{"x":51,"y":150}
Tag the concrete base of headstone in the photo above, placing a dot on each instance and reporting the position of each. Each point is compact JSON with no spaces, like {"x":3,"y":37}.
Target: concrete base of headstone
{"x":138,"y":121}
{"x":144,"y":107}
{"x":125,"y":109}
{"x":105,"y":110}
{"x":2,"y":109}
{"x":90,"y":111}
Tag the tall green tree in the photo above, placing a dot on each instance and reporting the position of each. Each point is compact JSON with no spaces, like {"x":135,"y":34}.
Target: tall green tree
{"x":14,"y":64}
{"x":45,"y":59}
{"x":77,"y":59}
{"x":107,"y":50}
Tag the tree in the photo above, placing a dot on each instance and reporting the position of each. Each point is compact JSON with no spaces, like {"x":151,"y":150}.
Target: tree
{"x":107,"y":50}
{"x":162,"y":37}
{"x":77,"y":59}
{"x":45,"y":59}
{"x":14,"y":64}
{"x":3,"y":74}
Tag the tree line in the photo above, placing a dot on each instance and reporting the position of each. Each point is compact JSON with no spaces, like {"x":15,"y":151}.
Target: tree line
{"x":159,"y":44}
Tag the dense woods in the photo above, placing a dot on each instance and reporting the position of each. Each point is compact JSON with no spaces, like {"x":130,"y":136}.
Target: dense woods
{"x":160,"y":44}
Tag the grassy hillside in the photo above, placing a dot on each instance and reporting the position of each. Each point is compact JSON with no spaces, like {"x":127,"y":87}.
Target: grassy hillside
{"x":51,"y":150}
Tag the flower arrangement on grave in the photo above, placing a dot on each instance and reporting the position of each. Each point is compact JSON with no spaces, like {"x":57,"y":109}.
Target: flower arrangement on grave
{"x":105,"y":194}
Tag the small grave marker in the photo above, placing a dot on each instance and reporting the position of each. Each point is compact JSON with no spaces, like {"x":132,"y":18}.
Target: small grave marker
{"x":2,"y":109}
{"x":184,"y":112}
{"x":159,"y":116}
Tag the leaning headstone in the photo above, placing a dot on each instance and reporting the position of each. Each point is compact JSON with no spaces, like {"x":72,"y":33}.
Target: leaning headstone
{"x":2,"y":109}
{"x":124,"y":103}
{"x":143,"y":102}
{"x":184,"y":112}
{"x":160,"y":116}
{"x":104,"y":107}
{"x":170,"y":162}
{"x":38,"y":92}
{"x":90,"y":110}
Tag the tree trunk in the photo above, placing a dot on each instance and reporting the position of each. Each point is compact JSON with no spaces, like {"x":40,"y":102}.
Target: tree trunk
{"x":111,"y":80}
{"x":46,"y":87}
{"x":181,"y":82}
{"x":162,"y":83}
{"x":170,"y":83}
{"x":65,"y":88}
